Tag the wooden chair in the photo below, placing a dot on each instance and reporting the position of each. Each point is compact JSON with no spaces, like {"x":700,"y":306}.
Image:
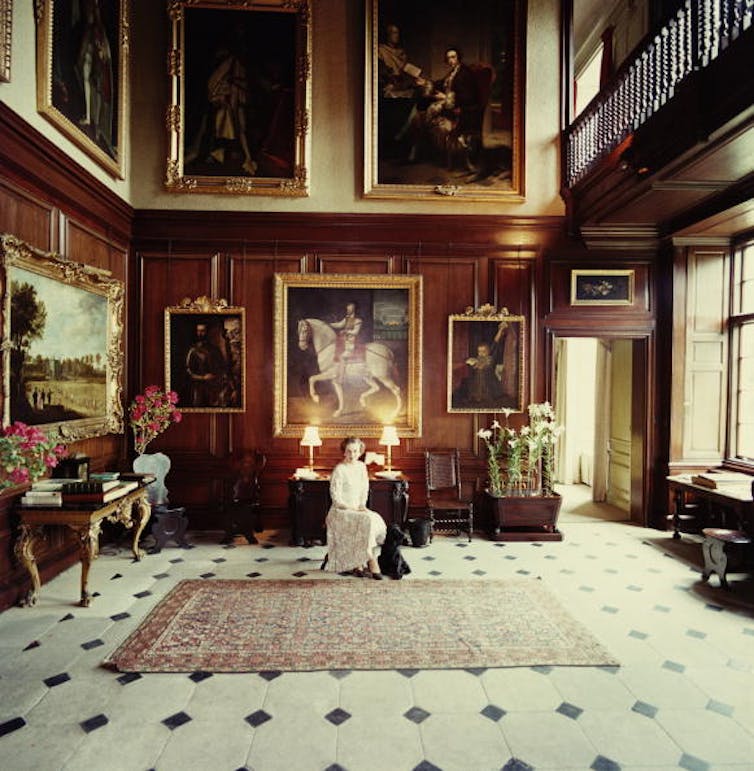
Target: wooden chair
{"x":448,"y":509}
{"x":241,"y":506}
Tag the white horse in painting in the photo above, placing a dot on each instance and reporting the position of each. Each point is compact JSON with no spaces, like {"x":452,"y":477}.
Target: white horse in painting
{"x":376,"y":367}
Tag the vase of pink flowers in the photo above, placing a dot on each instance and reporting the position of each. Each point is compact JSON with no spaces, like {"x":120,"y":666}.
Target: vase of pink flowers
{"x":26,"y":454}
{"x":150,"y":414}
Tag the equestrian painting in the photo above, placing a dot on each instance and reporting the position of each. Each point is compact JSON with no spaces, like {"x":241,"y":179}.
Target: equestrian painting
{"x":347,"y":353}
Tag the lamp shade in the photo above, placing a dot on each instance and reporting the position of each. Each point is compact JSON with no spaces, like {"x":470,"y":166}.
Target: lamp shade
{"x":389,"y":436}
{"x":311,"y":437}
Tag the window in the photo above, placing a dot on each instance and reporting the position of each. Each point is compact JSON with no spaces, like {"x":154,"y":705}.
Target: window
{"x":588,"y":81}
{"x":741,"y":321}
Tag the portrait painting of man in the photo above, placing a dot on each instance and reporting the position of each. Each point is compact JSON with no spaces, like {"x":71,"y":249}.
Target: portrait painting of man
{"x":444,"y":80}
{"x":205,"y":360}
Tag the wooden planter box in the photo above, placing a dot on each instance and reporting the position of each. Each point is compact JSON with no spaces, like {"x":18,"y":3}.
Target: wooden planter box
{"x":525,"y":518}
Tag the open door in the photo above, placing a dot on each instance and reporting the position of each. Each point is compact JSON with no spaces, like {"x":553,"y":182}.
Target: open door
{"x":600,"y":399}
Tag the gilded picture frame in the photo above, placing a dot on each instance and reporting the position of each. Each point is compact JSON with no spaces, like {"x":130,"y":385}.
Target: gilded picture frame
{"x":486,"y":361}
{"x":347,"y":354}
{"x":439,"y":124}
{"x":239,"y":114}
{"x":205,"y":355}
{"x":62,"y":343}
{"x":82,"y":74}
{"x":6,"y":32}
{"x":602,"y":287}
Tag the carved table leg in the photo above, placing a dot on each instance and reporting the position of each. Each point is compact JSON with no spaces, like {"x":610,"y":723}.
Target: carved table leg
{"x":715,"y":560}
{"x":143,"y":512}
{"x":24,"y":551}
{"x":88,"y":536}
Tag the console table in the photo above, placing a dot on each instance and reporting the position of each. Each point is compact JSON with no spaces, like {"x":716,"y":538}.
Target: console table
{"x":309,"y":502}
{"x":132,"y":510}
{"x":730,"y":507}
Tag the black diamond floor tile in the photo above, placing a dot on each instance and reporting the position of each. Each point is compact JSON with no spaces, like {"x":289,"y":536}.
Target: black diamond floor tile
{"x":219,"y":560}
{"x":207,"y":575}
{"x":300,"y":574}
{"x":479,"y":572}
{"x":335,"y":767}
{"x":476,"y":671}
{"x":141,"y":595}
{"x":120,"y":616}
{"x":407,"y":673}
{"x":570,"y":710}
{"x":176,"y":721}
{"x":416,"y":715}
{"x":116,"y":575}
{"x":470,"y":557}
{"x":261,"y":559}
{"x":644,"y":709}
{"x":32,"y":644}
{"x":690,"y":763}
{"x":67,"y":617}
{"x":270,"y":674}
{"x":435,"y":572}
{"x":696,"y":634}
{"x":339,"y":674}
{"x":93,"y":723}
{"x":673,"y":666}
{"x":253,"y":575}
{"x":720,"y":708}
{"x":514,"y":764}
{"x":11,"y":725}
{"x":493,"y":712}
{"x":541,"y":669}
{"x":160,"y":576}
{"x":638,"y":635}
{"x":268,"y":545}
{"x":87,"y":646}
{"x":255,"y":719}
{"x":609,"y":609}
{"x":129,"y":677}
{"x":337,"y":716}
{"x":425,"y":765}
{"x":51,"y":682}
{"x":197,"y":677}
{"x":601,"y":763}
{"x":176,"y":560}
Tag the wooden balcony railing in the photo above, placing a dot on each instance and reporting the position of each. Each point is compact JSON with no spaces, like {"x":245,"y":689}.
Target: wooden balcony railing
{"x":690,"y":41}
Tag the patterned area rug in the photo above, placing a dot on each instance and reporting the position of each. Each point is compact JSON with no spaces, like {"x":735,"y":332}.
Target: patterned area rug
{"x":310,"y":624}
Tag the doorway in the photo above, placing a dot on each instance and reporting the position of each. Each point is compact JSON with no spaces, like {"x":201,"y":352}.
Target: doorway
{"x":599,"y":399}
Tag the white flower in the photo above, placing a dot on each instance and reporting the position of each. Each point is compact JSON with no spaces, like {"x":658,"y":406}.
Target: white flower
{"x":495,"y":425}
{"x":484,"y":433}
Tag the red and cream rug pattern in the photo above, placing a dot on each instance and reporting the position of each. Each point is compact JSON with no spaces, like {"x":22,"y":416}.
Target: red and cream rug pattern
{"x":219,"y":625}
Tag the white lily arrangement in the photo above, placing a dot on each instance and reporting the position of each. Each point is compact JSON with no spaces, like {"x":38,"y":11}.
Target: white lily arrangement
{"x":522,"y":462}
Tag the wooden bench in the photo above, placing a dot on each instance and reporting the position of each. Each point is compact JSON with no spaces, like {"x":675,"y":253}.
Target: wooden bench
{"x":725,"y":550}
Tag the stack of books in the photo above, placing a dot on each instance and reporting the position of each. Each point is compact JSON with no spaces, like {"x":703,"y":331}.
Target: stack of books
{"x":714,"y":480}
{"x":96,"y":491}
{"x":45,"y":492}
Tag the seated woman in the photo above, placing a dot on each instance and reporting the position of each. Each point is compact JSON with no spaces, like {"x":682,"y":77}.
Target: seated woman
{"x":353,"y":531}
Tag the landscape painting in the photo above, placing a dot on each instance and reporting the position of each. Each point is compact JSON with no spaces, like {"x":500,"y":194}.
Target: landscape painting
{"x":62,"y":359}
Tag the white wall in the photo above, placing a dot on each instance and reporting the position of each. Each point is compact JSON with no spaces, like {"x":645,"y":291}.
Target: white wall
{"x":336,"y":161}
{"x":20,"y":94}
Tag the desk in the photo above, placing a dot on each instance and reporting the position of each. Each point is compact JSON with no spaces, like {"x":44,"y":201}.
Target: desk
{"x":86,"y":523}
{"x":730,"y":507}
{"x":309,"y":502}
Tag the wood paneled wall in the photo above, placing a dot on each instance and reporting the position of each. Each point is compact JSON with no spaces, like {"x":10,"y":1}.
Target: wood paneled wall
{"x":521,"y":263}
{"x":464,"y":261}
{"x":55,"y":206}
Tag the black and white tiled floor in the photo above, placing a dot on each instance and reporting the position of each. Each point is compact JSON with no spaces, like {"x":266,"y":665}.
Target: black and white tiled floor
{"x":683,"y":696}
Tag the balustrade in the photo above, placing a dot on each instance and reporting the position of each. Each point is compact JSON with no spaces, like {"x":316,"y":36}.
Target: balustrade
{"x":691,"y":40}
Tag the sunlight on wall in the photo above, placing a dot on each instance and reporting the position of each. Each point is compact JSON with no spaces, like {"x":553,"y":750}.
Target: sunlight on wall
{"x":579,"y":413}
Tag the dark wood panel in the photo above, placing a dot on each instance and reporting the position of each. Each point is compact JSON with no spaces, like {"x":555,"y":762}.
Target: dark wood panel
{"x":29,"y":160}
{"x":26,"y":216}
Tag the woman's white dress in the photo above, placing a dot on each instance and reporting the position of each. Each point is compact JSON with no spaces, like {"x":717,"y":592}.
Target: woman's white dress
{"x":352,"y":535}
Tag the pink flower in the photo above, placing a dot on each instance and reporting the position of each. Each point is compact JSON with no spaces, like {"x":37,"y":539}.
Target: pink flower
{"x":177,"y":416}
{"x":19,"y":476}
{"x":172,"y":397}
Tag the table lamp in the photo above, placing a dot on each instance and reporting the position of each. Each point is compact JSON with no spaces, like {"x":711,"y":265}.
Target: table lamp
{"x":311,"y":440}
{"x":389,"y":439}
